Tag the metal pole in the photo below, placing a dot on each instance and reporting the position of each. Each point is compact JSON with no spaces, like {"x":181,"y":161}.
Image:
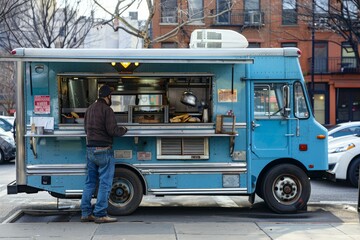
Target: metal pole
{"x":20,"y":125}
{"x":313,"y":55}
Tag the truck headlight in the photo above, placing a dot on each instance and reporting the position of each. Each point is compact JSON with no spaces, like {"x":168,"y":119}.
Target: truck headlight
{"x":341,"y":148}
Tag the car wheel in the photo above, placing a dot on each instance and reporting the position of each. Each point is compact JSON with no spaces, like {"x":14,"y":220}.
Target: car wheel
{"x":286,"y":188}
{"x":2,"y":157}
{"x":126,"y":193}
{"x":353,"y":172}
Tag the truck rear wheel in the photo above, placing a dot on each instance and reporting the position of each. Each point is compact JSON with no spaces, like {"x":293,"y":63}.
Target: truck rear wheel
{"x":286,"y":189}
{"x":126,"y":193}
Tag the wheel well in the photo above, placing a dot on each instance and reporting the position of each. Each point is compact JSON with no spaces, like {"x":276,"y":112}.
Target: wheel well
{"x":274,"y":163}
{"x":348,"y":168}
{"x":137,"y":172}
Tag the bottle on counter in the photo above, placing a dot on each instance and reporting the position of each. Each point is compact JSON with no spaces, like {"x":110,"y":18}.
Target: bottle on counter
{"x":205,"y":113}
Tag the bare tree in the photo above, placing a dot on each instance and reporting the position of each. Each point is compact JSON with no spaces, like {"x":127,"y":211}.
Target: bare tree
{"x":184,"y":16}
{"x":45,"y":24}
{"x":340,"y":17}
{"x":39,"y":24}
{"x":343,"y":19}
{"x":7,"y":86}
{"x":8,"y":6}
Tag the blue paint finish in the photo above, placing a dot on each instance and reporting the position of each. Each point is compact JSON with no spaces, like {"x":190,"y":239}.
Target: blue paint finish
{"x":38,"y":77}
{"x":268,"y":144}
{"x":168,"y":181}
{"x":316,"y":154}
{"x":59,"y":183}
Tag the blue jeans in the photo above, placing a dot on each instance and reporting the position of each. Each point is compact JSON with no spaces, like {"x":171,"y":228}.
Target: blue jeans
{"x":100,"y":169}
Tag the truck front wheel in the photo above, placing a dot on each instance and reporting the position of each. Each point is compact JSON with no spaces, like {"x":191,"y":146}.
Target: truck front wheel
{"x":353,"y":172}
{"x":126,"y":193}
{"x":286,"y":189}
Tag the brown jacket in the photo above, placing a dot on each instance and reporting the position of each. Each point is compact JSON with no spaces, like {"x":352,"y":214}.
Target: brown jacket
{"x":100,"y":125}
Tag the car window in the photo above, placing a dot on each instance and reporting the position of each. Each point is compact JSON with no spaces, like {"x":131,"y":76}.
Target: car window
{"x":5,"y":125}
{"x":333,"y":127}
{"x":346,"y":131}
{"x":356,"y":130}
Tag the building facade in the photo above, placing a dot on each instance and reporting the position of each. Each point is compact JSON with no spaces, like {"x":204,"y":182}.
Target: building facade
{"x":332,"y":74}
{"x":104,"y":36}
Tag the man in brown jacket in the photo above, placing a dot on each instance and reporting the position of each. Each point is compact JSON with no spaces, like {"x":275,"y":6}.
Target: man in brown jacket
{"x":100,"y":127}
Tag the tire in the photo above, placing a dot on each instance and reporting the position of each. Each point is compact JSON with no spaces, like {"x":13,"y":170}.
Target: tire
{"x":353,"y":172}
{"x":286,"y":189}
{"x":258,"y":190}
{"x":2,"y":157}
{"x":126,"y":193}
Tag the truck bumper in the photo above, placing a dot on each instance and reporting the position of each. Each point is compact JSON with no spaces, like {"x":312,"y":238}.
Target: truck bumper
{"x":323,"y":175}
{"x":13,"y":188}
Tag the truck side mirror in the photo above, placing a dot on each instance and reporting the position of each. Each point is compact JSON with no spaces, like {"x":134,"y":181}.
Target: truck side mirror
{"x":286,"y":97}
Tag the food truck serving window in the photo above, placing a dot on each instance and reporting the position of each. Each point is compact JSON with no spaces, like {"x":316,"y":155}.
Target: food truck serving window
{"x":138,"y":99}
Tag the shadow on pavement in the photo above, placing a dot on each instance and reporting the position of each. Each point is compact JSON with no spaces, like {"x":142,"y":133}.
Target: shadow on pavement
{"x":257,"y":213}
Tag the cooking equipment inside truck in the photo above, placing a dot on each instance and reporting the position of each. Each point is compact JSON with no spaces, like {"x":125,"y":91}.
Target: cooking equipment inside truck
{"x":139,"y":99}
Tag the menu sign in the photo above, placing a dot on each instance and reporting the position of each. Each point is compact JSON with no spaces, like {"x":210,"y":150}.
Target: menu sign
{"x":42,"y":104}
{"x":227,"y":95}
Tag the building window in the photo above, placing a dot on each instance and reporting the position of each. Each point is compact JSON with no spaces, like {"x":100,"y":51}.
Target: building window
{"x":251,"y":5}
{"x":321,"y":57}
{"x":348,"y":59}
{"x":349,"y":9}
{"x":289,"y":12}
{"x":252,"y":12}
{"x":254,"y":45}
{"x":221,"y":6}
{"x":196,"y":10}
{"x":289,"y":44}
{"x":169,"y":45}
{"x":168,"y":11}
{"x":321,"y":6}
{"x":133,"y":15}
{"x":321,"y":14}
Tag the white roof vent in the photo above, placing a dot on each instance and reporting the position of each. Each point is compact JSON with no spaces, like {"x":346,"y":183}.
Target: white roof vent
{"x":217,"y":38}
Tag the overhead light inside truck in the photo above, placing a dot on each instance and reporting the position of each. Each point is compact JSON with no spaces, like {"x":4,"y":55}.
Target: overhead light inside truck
{"x":125,"y":66}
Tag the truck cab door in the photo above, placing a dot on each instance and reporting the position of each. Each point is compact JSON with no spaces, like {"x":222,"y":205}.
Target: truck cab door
{"x":270,"y":125}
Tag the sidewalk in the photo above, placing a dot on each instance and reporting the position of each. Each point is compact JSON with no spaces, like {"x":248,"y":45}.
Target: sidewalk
{"x":320,"y":222}
{"x":180,"y":231}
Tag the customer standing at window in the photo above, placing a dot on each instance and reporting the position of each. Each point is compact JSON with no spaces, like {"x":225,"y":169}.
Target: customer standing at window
{"x":100,"y":127}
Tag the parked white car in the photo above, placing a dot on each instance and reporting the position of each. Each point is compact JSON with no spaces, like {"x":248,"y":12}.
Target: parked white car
{"x":7,"y":142}
{"x":344,"y":158}
{"x":344,"y":129}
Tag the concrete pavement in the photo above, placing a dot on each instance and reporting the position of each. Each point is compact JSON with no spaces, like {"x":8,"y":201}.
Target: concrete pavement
{"x":337,"y":222}
{"x":177,"y":218}
{"x":180,"y":231}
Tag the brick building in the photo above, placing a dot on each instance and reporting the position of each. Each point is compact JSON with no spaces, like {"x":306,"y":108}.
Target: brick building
{"x":335,"y":83}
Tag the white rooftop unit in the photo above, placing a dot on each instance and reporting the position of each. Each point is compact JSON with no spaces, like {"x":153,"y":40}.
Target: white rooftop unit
{"x":217,"y":38}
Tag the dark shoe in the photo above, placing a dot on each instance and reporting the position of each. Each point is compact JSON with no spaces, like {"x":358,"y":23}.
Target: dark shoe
{"x":105,"y":219}
{"x":89,"y":218}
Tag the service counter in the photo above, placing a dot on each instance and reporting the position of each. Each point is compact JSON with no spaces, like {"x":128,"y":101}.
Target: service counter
{"x":142,"y":130}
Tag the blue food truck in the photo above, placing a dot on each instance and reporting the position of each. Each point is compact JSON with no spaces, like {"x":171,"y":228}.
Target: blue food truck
{"x":221,"y":121}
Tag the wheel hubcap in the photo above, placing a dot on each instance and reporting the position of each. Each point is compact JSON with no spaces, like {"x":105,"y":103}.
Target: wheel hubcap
{"x":286,"y":189}
{"x":122,"y":192}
